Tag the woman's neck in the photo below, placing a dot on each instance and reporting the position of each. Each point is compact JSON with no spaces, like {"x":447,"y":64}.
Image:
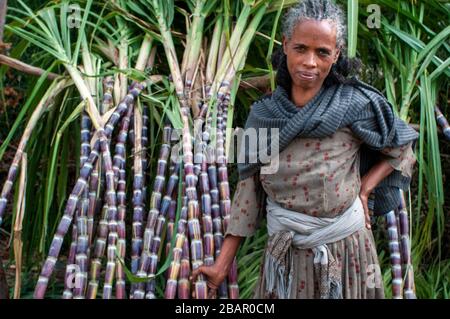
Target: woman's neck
{"x":301,"y":96}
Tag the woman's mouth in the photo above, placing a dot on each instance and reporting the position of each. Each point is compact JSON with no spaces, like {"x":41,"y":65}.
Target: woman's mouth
{"x":307,"y":76}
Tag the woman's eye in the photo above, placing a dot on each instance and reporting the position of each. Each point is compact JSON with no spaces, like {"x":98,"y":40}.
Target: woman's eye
{"x":324,"y":53}
{"x":300,"y":49}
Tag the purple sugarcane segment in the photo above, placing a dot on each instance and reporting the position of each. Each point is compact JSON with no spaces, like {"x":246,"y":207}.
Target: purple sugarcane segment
{"x":78,"y":189}
{"x":394,"y":250}
{"x":177,"y":251}
{"x":98,"y":253}
{"x":83,"y":206}
{"x":94,"y":203}
{"x":72,"y":279}
{"x":144,"y":139}
{"x":121,"y":228}
{"x":224,"y":188}
{"x":149,"y":256}
{"x":71,"y":268}
{"x":201,"y":170}
{"x":160,"y":223}
{"x":191,"y":179}
{"x":120,"y":162}
{"x":171,"y":215}
{"x":184,"y":284}
{"x":138,"y":200}
{"x":215,"y":198}
{"x":405,"y":244}
{"x":442,"y":121}
{"x":111,"y":200}
{"x":171,"y":226}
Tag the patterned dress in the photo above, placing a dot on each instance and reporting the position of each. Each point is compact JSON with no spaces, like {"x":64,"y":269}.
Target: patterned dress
{"x":319,"y":177}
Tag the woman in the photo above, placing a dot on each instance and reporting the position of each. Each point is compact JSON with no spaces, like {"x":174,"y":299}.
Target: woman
{"x":339,"y":141}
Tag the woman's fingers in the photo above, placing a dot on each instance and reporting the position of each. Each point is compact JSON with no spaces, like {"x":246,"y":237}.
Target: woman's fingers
{"x":195,"y":273}
{"x":212,"y":287}
{"x":364,"y":200}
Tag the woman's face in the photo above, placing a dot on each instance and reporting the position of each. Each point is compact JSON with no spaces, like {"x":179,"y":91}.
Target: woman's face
{"x":311,"y":52}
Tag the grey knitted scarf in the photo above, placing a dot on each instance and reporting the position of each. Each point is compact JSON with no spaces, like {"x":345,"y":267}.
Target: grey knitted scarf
{"x":356,"y":105}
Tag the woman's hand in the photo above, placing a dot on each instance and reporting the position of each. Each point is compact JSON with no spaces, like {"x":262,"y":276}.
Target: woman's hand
{"x":368,"y":183}
{"x":215,"y":275}
{"x":365,"y":202}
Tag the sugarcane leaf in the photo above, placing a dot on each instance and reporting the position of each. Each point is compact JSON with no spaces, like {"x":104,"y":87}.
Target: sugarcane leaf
{"x":275,"y":5}
{"x":352,"y":26}
{"x":271,"y":44}
{"x":434,"y":43}
{"x":130,"y":276}
{"x":38,"y":41}
{"x":438,"y":71}
{"x":81,"y":31}
{"x":425,"y":63}
{"x":418,"y":45}
{"x":168,"y":11}
{"x":131,"y":73}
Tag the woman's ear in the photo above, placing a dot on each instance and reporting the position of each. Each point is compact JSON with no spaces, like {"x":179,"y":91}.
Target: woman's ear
{"x":337,"y":54}
{"x":284,"y":41}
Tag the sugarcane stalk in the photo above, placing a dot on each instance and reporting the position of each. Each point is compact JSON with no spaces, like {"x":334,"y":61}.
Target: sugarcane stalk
{"x":111,"y":199}
{"x":230,"y":51}
{"x":148,"y":259}
{"x":20,"y":212}
{"x":71,"y":268}
{"x":120,"y":162}
{"x":442,"y":121}
{"x":405,"y":245}
{"x":177,"y":251}
{"x":195,"y":36}
{"x":171,"y":223}
{"x":85,"y":93}
{"x":82,"y":244}
{"x":138,"y":210}
{"x":159,"y":226}
{"x":77,"y":190}
{"x":184,"y":284}
{"x":394,"y":249}
{"x":145,"y":59}
{"x":94,"y":202}
{"x":98,"y":253}
{"x":55,"y":88}
{"x":211,"y":65}
{"x":144,"y":142}
{"x":121,"y":228}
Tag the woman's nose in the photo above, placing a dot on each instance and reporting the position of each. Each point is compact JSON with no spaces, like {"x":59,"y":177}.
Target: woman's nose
{"x":310,"y":60}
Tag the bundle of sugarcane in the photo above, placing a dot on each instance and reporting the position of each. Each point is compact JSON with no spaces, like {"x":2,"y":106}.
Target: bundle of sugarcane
{"x":203,"y":89}
{"x":86,"y":252}
{"x":188,"y":220}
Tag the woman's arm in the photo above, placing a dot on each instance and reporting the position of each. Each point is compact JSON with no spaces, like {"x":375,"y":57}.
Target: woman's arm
{"x":369,"y":181}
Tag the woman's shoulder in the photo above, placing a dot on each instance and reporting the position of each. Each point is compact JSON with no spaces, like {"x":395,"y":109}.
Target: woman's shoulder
{"x":363,"y":90}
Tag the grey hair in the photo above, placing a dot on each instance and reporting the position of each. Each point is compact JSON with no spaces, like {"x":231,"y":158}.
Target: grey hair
{"x":316,"y":10}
